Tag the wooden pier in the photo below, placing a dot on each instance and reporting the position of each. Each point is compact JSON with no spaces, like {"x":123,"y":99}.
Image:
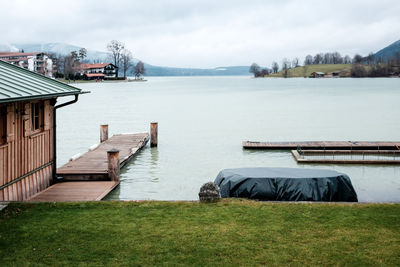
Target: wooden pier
{"x":94,"y":174}
{"x":75,"y":191}
{"x":93,"y":165}
{"x":323,"y":145}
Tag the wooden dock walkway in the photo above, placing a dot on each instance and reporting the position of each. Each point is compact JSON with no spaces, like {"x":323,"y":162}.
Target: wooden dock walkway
{"x":75,"y":191}
{"x":93,"y":165}
{"x":87,"y":177}
{"x":322,"y":145}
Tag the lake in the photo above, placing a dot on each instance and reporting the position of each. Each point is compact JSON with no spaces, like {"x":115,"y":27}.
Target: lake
{"x":203,"y":121}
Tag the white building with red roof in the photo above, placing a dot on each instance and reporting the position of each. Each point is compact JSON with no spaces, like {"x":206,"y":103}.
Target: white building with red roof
{"x":98,"y":70}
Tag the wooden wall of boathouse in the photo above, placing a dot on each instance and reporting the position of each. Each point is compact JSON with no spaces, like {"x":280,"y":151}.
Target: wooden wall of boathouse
{"x":26,"y":148}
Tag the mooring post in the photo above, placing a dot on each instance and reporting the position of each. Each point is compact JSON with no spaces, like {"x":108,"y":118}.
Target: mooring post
{"x":103,"y":132}
{"x":113,"y":164}
{"x":153,"y":133}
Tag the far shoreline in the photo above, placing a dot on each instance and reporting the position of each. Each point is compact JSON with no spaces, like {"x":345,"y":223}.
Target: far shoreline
{"x":99,"y":81}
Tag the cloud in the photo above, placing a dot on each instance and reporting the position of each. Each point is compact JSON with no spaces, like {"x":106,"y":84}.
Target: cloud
{"x":207,"y":33}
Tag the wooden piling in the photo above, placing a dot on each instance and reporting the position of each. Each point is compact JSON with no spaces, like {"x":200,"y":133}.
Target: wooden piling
{"x":154,"y":134}
{"x":113,"y":164}
{"x":103,"y":132}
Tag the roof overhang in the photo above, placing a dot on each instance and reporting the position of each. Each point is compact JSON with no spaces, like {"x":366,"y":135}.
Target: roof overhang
{"x":48,"y":96}
{"x":19,"y":84}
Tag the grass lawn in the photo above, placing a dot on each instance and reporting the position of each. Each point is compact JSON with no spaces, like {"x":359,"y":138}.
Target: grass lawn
{"x":228,"y":233}
{"x":307,"y":70}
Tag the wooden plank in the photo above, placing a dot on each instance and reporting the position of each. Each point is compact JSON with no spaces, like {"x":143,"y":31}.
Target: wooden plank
{"x":75,"y":191}
{"x":372,"y":145}
{"x":94,"y":163}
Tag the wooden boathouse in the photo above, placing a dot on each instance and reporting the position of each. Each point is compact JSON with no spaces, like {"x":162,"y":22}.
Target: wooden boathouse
{"x":28,"y":130}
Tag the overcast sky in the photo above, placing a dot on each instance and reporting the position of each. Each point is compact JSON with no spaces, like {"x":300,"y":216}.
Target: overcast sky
{"x":186,"y":33}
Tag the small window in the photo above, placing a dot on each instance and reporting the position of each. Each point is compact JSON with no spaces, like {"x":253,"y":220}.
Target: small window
{"x":3,"y":125}
{"x":37,"y":117}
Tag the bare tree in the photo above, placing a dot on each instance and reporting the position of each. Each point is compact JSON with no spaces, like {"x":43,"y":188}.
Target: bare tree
{"x":327,"y":59}
{"x":285,"y":67}
{"x":295,"y":62}
{"x":69,"y":66}
{"x":126,"y":60}
{"x":116,"y":48}
{"x":255,"y":69}
{"x":371,"y":58}
{"x":82,"y":54}
{"x":357,"y":59}
{"x":308,"y":60}
{"x":337,"y":58}
{"x":358,"y":71}
{"x":75,"y":56}
{"x":275,"y":67}
{"x":318,"y":58}
{"x":139,"y":69}
{"x":347,"y":59}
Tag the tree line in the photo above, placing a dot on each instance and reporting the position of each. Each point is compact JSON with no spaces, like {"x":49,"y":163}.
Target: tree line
{"x":368,"y":66}
{"x":119,"y":55}
{"x":327,"y":58}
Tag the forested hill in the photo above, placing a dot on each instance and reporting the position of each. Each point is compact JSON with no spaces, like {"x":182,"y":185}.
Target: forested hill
{"x":388,"y":52}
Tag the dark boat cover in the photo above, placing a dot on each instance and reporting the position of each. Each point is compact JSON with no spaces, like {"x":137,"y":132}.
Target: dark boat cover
{"x":286,"y":184}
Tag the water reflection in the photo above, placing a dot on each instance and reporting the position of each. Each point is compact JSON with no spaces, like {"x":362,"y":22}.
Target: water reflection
{"x":154,"y":165}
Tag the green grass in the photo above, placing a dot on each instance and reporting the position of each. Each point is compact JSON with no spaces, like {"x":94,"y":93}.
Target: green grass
{"x":307,"y":70}
{"x":228,"y":233}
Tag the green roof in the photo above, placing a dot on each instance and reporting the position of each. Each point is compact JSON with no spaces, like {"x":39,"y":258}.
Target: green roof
{"x":18,"y":84}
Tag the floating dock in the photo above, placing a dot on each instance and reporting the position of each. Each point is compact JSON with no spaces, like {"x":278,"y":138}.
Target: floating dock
{"x":323,"y":145}
{"x":347,"y":156}
{"x":93,"y":165}
{"x":341,"y":152}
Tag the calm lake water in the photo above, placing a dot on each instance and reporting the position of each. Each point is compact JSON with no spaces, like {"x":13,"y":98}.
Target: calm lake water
{"x":203,"y":121}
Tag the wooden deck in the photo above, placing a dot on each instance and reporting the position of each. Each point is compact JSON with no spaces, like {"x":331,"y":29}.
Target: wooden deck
{"x":75,"y":191}
{"x":86,"y":176}
{"x":322,"y":145}
{"x":93,"y":164}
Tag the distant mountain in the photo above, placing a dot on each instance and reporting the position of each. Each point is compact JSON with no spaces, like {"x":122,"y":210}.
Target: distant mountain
{"x":57,"y":48}
{"x":151,"y":70}
{"x":220,"y":71}
{"x":8,"y":47}
{"x":389,"y":51}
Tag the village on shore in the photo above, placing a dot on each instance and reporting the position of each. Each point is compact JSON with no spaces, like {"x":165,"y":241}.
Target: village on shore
{"x":75,"y":66}
{"x":333,"y":65}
